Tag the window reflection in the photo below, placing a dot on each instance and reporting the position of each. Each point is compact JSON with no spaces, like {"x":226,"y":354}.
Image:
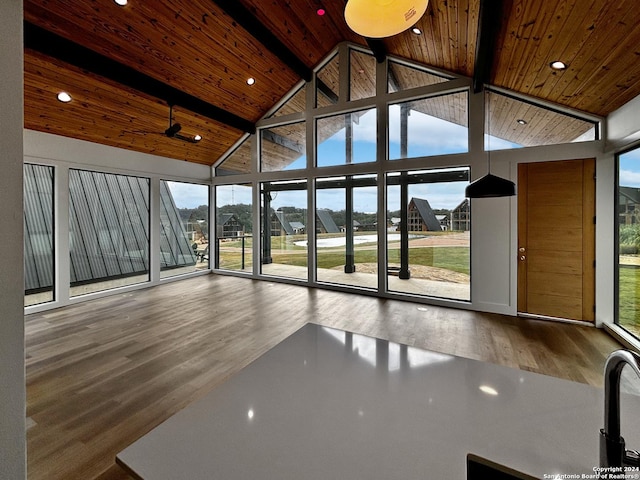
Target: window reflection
{"x":428,"y":127}
{"x":382,"y":354}
{"x":38,"y":234}
{"x":108,"y":231}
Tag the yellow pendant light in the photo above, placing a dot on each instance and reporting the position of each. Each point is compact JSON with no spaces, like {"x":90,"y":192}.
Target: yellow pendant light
{"x":383,"y":18}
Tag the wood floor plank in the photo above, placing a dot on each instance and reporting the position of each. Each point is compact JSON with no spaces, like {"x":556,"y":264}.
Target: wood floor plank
{"x":100,"y":374}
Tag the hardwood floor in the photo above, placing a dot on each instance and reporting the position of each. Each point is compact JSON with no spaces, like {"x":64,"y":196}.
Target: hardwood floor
{"x":102,"y":373}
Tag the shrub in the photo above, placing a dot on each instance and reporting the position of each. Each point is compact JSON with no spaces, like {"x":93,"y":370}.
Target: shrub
{"x":629,"y":235}
{"x":626,"y":249}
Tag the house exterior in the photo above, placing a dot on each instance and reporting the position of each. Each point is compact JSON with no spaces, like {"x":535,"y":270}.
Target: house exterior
{"x":629,"y":205}
{"x":228,"y":226}
{"x":325,"y":223}
{"x":461,"y":217}
{"x":421,"y":218}
{"x":280,"y":225}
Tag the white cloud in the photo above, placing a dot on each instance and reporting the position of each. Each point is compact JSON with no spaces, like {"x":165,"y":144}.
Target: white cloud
{"x":189,"y":195}
{"x":629,"y":178}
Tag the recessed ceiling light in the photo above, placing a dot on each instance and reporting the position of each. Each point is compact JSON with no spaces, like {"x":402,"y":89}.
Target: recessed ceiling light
{"x":521,"y":121}
{"x":197,"y":138}
{"x":558,"y":65}
{"x":416,"y":30}
{"x":251,"y":81}
{"x":122,"y":3}
{"x":64,"y":97}
{"x":321,"y":11}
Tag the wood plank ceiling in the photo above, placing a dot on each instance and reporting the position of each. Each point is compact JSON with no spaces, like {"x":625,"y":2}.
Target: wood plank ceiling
{"x":196,"y":47}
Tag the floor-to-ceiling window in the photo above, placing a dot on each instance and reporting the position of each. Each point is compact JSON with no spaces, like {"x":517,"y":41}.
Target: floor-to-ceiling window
{"x":628,"y":234}
{"x":428,"y":233}
{"x":234,"y":227}
{"x":184,"y":228}
{"x":108,"y":231}
{"x":347,"y":230}
{"x":284,"y":229}
{"x":361,"y":174}
{"x":38,"y":234}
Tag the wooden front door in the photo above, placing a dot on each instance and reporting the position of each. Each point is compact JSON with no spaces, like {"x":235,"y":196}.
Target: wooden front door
{"x":556,"y":239}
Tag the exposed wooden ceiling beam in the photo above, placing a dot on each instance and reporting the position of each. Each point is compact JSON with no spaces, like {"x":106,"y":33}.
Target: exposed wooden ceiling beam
{"x":489,"y":22}
{"x":271,"y":136}
{"x":266,"y":37}
{"x":52,"y":45}
{"x":378,"y":48}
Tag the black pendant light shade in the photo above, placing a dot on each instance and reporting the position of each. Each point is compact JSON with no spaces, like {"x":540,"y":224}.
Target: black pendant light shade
{"x":490,"y":186}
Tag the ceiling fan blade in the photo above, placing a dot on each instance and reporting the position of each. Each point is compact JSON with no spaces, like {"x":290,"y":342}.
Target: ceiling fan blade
{"x":186,"y":138}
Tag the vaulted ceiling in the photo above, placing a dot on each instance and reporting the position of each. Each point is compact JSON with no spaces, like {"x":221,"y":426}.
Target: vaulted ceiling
{"x":124,"y":66}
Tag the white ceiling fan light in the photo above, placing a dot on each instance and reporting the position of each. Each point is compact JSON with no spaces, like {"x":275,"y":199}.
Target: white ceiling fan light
{"x":383,"y":18}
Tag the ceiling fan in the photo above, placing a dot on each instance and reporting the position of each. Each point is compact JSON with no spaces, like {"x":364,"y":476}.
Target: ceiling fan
{"x":174,"y":130}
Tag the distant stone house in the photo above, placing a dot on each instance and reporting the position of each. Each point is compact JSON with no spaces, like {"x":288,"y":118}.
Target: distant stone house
{"x":461,"y":217}
{"x":228,"y":226}
{"x":421,"y":218}
{"x":628,"y":206}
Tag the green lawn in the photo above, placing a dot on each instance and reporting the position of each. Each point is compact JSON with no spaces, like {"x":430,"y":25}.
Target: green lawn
{"x":284,"y":251}
{"x":629,"y":297}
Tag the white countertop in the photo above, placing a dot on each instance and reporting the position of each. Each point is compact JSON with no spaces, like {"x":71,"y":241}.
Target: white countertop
{"x":327,"y":404}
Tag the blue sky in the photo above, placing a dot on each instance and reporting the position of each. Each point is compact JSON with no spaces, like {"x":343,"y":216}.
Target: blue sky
{"x":630,"y":169}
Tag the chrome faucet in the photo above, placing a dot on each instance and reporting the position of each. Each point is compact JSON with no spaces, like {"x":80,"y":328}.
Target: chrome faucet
{"x":612,"y":447}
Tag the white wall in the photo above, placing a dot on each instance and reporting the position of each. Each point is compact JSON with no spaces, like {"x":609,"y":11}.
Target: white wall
{"x":46,"y":148}
{"x":623,"y":125}
{"x":12,"y":377}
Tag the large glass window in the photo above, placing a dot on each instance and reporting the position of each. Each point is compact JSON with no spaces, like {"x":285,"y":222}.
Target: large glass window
{"x":428,"y":242}
{"x":184,"y":228}
{"x":328,"y":83}
{"x":362,"y":75}
{"x":38,"y":234}
{"x":284,"y":229}
{"x":234,"y":227}
{"x":238,"y":162}
{"x":628,"y":220}
{"x":283,"y":148}
{"x":346,"y":139}
{"x":108,"y":231}
{"x":430,"y":126}
{"x":346,"y":231}
{"x":514,"y":123}
{"x":403,"y":77}
{"x":296,"y":104}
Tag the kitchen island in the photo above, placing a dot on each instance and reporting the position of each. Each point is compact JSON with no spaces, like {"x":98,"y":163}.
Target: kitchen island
{"x":325,"y":403}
